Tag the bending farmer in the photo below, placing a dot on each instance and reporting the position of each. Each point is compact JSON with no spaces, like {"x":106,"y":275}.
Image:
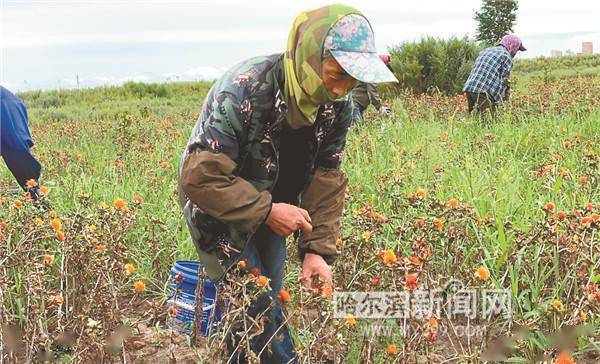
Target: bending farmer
{"x":264,"y":160}
{"x":488,"y":84}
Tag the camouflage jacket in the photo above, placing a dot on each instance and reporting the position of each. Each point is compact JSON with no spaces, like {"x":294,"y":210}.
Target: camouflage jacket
{"x":231,"y":161}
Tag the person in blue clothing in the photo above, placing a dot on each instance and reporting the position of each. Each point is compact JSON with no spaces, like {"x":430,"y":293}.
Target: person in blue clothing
{"x":16,"y":141}
{"x":488,"y":83}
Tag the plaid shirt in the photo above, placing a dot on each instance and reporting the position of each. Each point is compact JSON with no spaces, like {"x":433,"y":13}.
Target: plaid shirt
{"x":491,"y":66}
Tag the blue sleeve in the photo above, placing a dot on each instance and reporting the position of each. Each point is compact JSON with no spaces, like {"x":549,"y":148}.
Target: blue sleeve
{"x":16,"y":141}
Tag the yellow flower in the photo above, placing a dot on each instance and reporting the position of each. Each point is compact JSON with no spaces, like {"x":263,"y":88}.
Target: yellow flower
{"x":350,"y":320}
{"x":557,"y":305}
{"x":129,"y":268}
{"x":366,"y":235}
{"x":421,"y":192}
{"x":38,"y":221}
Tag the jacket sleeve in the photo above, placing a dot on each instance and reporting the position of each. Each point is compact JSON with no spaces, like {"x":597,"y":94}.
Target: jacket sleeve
{"x":207,"y":179}
{"x":374,"y":96}
{"x":324,"y":196}
{"x":208,"y":170}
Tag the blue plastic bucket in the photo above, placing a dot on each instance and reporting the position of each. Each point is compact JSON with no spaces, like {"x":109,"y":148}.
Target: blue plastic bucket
{"x":183,"y":298}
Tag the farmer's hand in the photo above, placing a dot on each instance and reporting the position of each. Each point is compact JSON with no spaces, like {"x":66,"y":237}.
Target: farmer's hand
{"x":284,"y":219}
{"x":384,"y":110}
{"x":315,"y":265}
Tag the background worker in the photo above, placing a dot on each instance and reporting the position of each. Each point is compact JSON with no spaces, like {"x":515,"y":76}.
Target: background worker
{"x":365,"y":94}
{"x":488,"y":84}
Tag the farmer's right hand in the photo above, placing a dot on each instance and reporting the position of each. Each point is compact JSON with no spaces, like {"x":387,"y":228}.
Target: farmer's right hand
{"x":284,"y":219}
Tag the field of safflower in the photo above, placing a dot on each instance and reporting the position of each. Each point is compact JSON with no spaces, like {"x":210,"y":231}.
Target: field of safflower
{"x":507,"y":202}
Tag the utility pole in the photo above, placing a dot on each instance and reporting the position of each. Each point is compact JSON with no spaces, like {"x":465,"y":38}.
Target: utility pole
{"x":77,"y":77}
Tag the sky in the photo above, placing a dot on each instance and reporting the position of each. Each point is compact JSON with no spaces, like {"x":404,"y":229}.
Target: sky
{"x":55,"y":44}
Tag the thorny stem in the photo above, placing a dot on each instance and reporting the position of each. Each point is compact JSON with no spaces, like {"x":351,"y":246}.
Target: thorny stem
{"x":198,"y":299}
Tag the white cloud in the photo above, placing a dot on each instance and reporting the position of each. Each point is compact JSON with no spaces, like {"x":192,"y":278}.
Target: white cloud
{"x":206,"y":73}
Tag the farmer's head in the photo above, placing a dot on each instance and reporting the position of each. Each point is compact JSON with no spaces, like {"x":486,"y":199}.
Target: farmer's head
{"x":328,"y":50}
{"x":512,"y":43}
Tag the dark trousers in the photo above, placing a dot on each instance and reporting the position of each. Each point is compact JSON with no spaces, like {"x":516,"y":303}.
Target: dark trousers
{"x":480,"y":102}
{"x":357,"y":114}
{"x":267,"y":252}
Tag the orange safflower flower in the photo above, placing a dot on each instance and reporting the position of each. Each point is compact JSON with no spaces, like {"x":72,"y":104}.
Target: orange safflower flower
{"x":164,"y":165}
{"x":2,"y":225}
{"x":56,"y":224}
{"x":453,"y":203}
{"x":119,"y":164}
{"x":414,"y":260}
{"x":561,"y":215}
{"x":284,"y":296}
{"x":18,"y":203}
{"x":564,"y":358}
{"x":173,"y":310}
{"x":52,"y":214}
{"x":101,"y":248}
{"x":31,"y":183}
{"x":388,"y":257}
{"x":129,"y":268}
{"x":339,"y":242}
{"x":421,"y":192}
{"x":412,"y":281}
{"x":59,"y":299}
{"x":482,"y":273}
{"x":60,"y":235}
{"x":120,"y":203}
{"x":95,"y":241}
{"x":44,"y":190}
{"x":262,"y":281}
{"x":137,"y":198}
{"x":439,"y":224}
{"x":594,"y":217}
{"x":139,"y":286}
{"x":432,"y":322}
{"x":392,"y":349}
{"x":567,"y":144}
{"x":255,"y":272}
{"x":48,"y":259}
{"x":583,"y":180}
{"x":589,"y":206}
{"x":550,"y":206}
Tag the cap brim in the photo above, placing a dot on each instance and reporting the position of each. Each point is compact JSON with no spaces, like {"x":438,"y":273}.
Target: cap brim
{"x":365,"y":67}
{"x":521,"y":48}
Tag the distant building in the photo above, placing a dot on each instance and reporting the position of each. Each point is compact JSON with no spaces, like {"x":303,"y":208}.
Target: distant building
{"x":569,"y":52}
{"x":555,"y":53}
{"x":587,"y":48}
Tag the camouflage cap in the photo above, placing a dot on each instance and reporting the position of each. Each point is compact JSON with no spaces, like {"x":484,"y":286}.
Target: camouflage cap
{"x":352,"y":43}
